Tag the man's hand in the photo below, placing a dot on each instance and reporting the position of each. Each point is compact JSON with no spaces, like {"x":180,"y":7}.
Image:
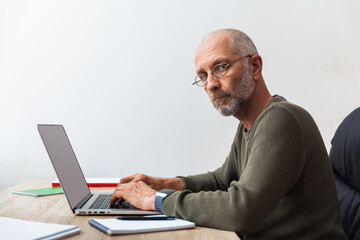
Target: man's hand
{"x":137,"y":193}
{"x":156,"y":183}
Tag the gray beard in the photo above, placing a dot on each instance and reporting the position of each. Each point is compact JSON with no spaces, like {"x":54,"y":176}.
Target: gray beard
{"x":243,"y":90}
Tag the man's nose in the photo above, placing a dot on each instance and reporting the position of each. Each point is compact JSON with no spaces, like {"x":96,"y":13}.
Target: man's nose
{"x":213,"y":82}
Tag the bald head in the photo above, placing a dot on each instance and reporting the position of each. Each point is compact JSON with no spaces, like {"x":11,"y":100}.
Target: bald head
{"x":237,"y":41}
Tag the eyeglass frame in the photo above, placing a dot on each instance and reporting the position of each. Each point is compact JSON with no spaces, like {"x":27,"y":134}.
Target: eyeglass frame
{"x":227,"y":67}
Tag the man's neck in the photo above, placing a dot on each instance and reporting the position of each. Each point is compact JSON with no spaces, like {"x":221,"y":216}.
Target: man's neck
{"x":253,"y":108}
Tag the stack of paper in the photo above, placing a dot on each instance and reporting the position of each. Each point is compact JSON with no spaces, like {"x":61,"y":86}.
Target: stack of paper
{"x":11,"y":228}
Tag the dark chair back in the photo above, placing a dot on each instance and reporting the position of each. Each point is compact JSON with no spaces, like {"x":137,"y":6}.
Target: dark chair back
{"x":345,"y":160}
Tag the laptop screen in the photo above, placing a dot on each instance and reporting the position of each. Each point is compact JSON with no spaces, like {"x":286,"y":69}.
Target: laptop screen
{"x":65,"y":163}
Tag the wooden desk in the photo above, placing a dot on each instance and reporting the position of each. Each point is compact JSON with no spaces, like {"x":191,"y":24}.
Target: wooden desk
{"x":55,"y":209}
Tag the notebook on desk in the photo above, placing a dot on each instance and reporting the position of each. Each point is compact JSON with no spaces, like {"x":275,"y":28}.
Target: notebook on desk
{"x":115,"y":226}
{"x":11,"y":228}
{"x":67,"y":168}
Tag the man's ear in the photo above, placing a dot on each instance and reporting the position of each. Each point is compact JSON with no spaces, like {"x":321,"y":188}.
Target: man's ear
{"x":255,"y":64}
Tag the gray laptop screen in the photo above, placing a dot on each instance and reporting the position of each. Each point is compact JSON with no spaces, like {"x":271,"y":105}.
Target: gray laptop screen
{"x":65,"y":163}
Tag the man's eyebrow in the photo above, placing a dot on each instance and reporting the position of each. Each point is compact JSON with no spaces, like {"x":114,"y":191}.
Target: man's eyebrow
{"x":220,"y":60}
{"x":214,"y":63}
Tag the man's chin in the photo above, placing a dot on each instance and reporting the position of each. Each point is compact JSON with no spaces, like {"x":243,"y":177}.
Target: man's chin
{"x":226,"y":106}
{"x":225,"y":110}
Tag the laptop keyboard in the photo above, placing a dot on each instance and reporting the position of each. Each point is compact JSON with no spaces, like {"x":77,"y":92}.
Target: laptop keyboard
{"x":103,"y":202}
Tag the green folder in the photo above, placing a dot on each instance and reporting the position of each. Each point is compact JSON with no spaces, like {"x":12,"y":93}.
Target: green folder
{"x":40,"y":191}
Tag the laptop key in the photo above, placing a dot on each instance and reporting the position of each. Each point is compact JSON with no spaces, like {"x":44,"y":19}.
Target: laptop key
{"x":96,"y":200}
{"x":125,"y":205}
{"x":99,"y":203}
{"x":106,"y":202}
{"x":121,"y":204}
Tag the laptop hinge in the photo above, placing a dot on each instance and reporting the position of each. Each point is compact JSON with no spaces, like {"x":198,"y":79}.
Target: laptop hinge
{"x":83,"y":201}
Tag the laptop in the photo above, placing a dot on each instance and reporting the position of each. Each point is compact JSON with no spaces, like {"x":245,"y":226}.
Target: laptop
{"x":77,"y":192}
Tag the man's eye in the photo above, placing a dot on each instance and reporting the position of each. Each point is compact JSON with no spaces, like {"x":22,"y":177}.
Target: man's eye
{"x":220,"y":68}
{"x":203,"y":77}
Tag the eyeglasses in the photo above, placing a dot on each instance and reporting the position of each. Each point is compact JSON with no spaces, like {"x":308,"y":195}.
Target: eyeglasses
{"x":218,"y":71}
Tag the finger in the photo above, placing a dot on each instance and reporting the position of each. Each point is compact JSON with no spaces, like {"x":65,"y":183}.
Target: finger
{"x":127,"y":179}
{"x":115,"y":197}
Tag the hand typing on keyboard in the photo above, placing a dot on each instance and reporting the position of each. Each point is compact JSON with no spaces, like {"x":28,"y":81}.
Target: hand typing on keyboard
{"x":139,"y":194}
{"x":139,"y":189}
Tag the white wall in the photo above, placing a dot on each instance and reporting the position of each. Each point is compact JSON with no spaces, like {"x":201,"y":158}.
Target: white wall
{"x":117,"y":75}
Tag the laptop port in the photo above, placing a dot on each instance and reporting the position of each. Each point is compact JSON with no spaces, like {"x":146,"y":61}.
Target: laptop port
{"x":102,"y":212}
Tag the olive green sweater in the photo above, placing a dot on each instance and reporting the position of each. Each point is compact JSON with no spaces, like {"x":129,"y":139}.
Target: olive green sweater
{"x":276,"y":183}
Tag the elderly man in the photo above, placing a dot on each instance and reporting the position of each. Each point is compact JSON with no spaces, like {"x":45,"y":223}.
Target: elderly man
{"x":276,"y":182}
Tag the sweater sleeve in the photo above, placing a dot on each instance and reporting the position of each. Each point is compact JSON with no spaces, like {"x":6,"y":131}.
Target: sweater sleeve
{"x":275,"y":163}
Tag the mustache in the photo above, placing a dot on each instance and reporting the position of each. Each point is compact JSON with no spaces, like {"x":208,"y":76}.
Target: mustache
{"x":219,"y":94}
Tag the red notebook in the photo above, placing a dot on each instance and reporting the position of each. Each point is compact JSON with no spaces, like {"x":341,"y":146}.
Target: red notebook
{"x":95,"y":182}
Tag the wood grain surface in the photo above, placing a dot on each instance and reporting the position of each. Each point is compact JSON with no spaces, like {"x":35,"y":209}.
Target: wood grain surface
{"x":55,"y":209}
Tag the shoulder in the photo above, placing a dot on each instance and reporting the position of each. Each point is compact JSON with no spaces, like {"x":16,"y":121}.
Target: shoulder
{"x":283,"y":119}
{"x":282,"y":111}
